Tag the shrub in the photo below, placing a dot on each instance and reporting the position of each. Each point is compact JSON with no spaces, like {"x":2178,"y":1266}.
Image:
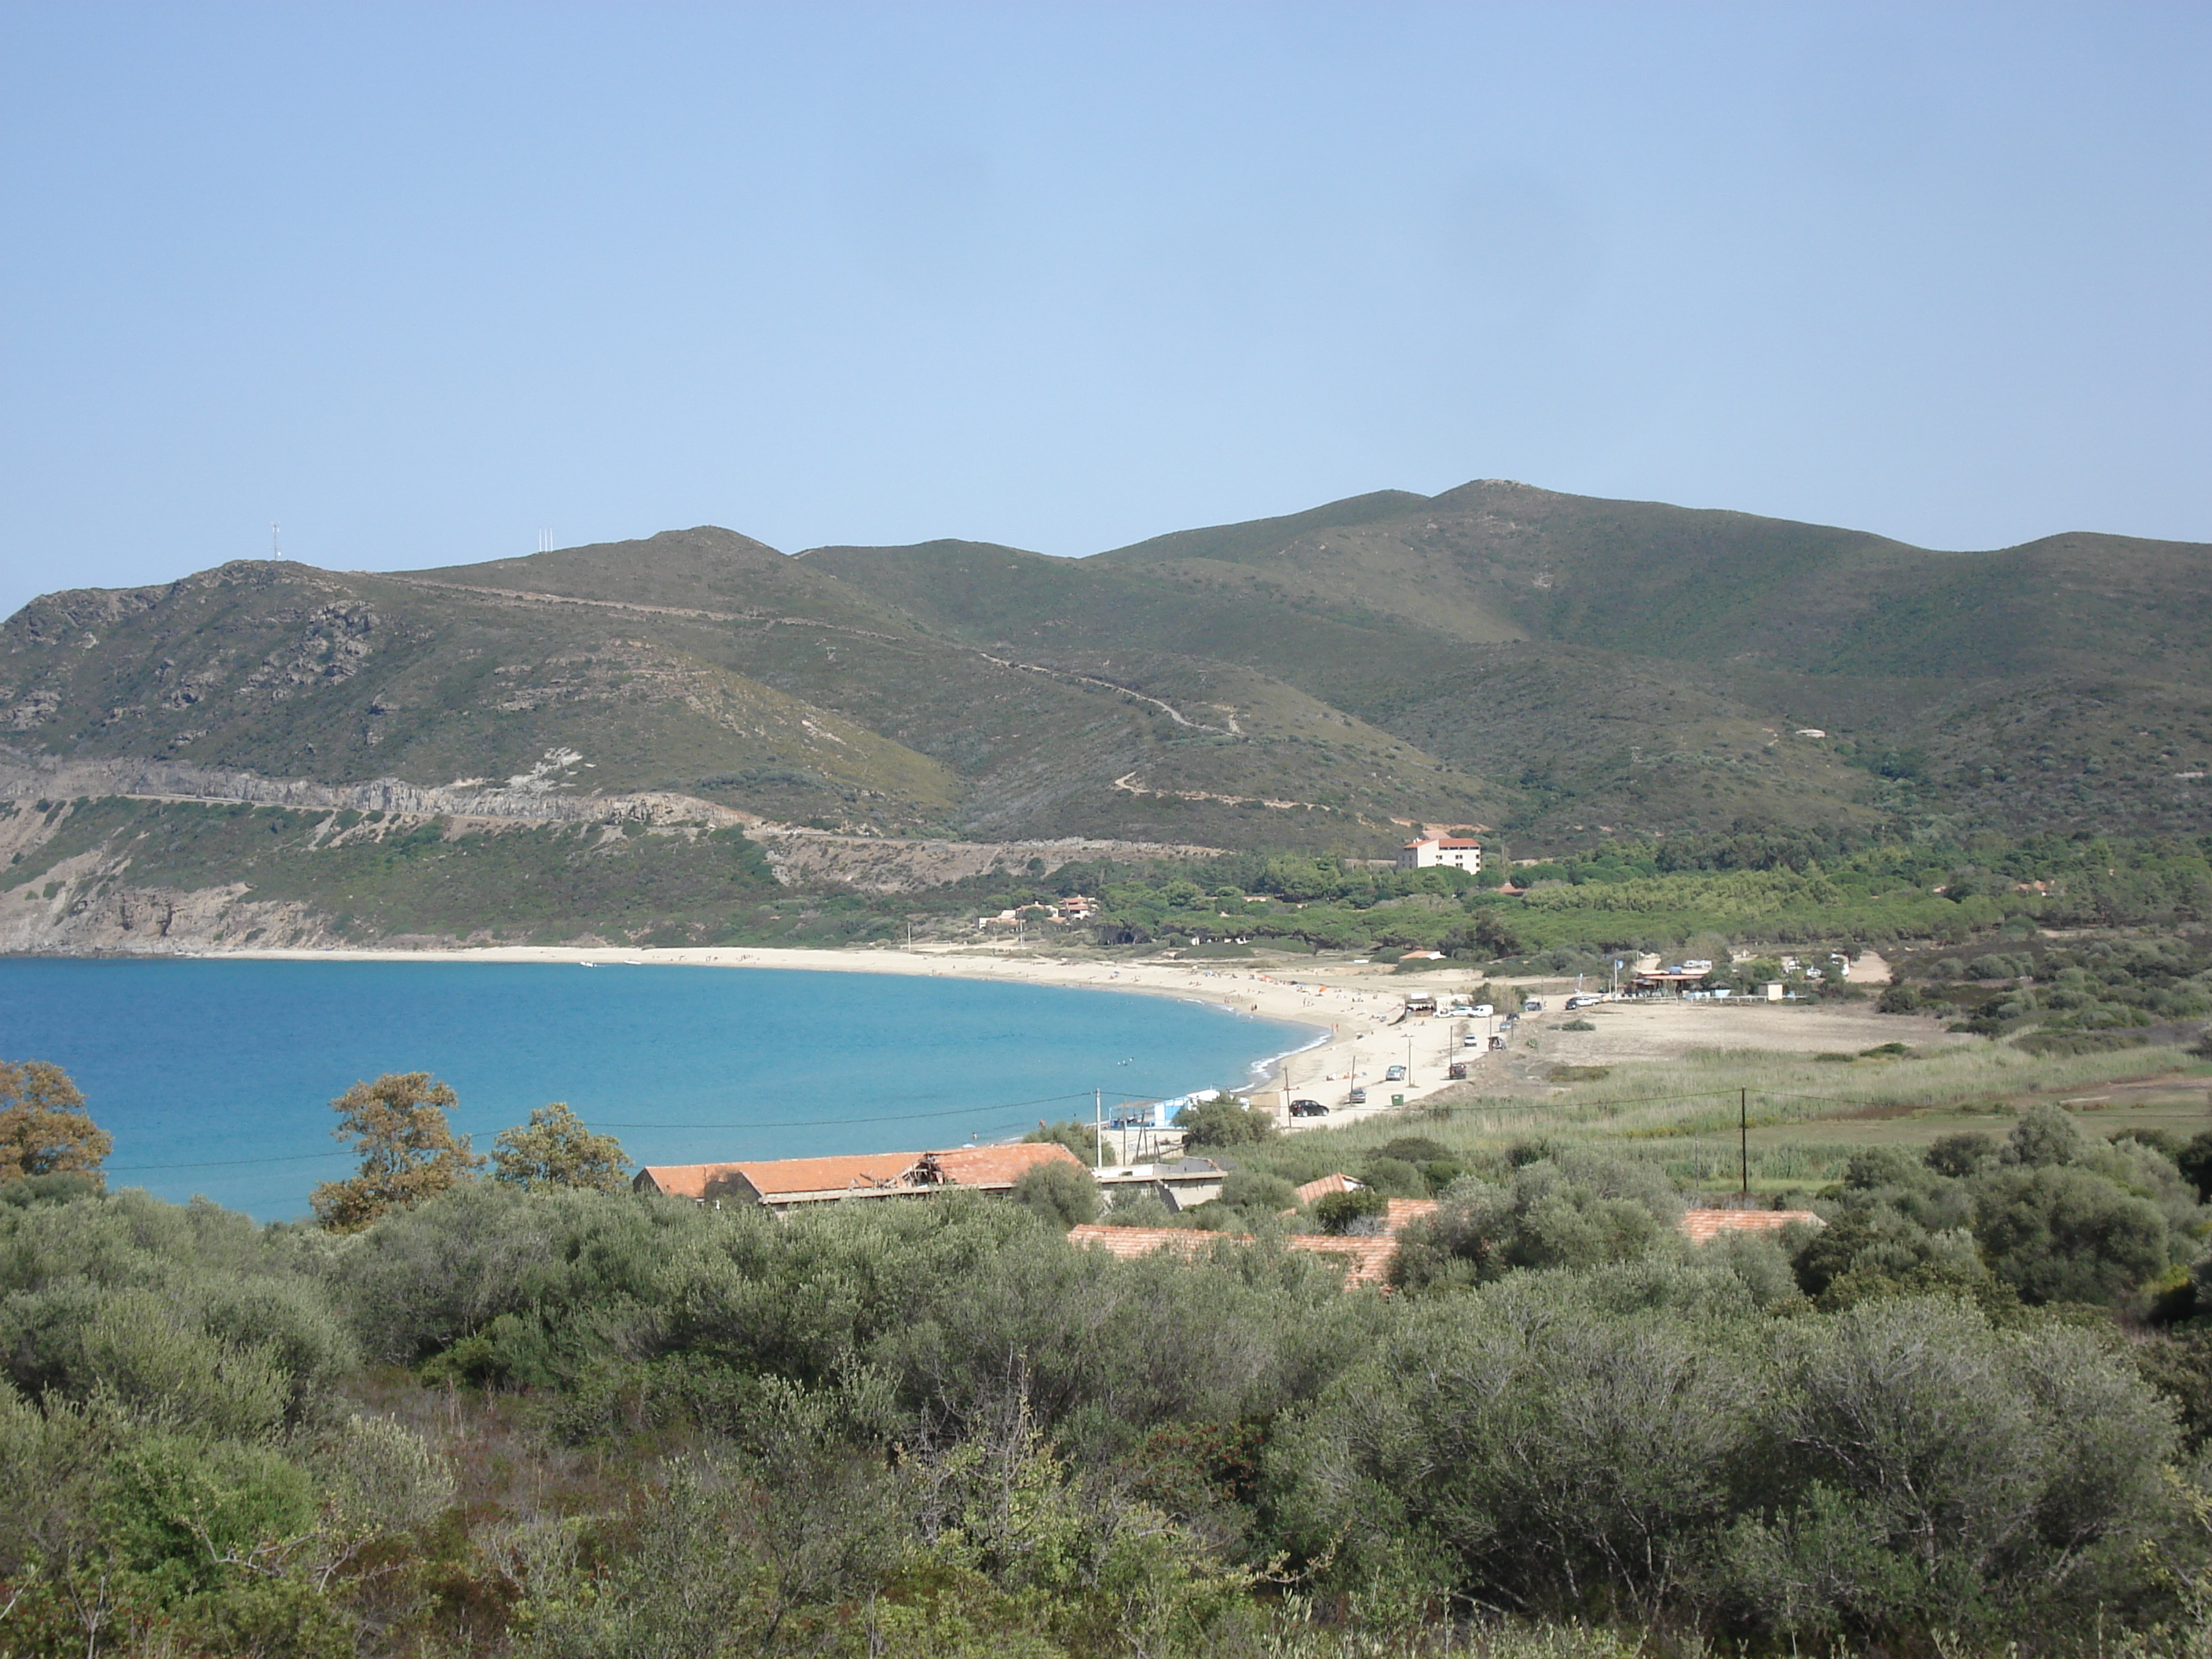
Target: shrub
{"x":1063,"y":1194}
{"x":1081,"y":1139}
{"x":1343,"y":1213}
{"x":1255,"y":1190}
{"x":1392,"y":1177}
{"x":1961,"y":1154}
{"x":1223,"y":1120}
{"x":1571,"y":1209}
{"x":2061,"y":1234}
{"x":2045,"y":1135}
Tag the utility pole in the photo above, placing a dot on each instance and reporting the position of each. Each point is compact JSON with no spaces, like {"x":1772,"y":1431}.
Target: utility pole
{"x":1743,"y":1134}
{"x":1097,"y":1130}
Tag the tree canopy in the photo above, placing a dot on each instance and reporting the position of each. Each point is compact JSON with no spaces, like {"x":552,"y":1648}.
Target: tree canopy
{"x":408,"y":1152}
{"x":556,"y":1150}
{"x":43,"y":1127}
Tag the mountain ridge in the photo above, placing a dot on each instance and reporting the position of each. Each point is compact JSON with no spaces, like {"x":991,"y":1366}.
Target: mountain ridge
{"x":1558,"y":667}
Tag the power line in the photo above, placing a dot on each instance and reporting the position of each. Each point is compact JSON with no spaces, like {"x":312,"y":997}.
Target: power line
{"x":220,"y":1163}
{"x":719,"y":1128}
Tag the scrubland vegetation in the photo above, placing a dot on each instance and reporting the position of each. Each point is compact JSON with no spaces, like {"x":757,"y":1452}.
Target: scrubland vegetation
{"x":1569,"y":914}
{"x":505,"y":1407}
{"x":521,"y":1414}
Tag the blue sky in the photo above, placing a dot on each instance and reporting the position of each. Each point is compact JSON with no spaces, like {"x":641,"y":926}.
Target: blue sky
{"x":420,"y":280}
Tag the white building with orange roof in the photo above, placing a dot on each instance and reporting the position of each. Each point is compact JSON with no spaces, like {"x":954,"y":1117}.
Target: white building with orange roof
{"x":1451,"y":851}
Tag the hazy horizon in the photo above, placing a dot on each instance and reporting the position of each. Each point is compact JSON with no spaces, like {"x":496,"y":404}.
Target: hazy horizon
{"x":423,"y":283}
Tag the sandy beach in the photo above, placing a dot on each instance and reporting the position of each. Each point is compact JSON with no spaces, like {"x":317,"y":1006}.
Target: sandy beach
{"x":1351,"y":1014}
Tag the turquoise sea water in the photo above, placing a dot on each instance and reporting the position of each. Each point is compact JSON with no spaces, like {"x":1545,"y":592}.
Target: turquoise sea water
{"x":215,"y":1077}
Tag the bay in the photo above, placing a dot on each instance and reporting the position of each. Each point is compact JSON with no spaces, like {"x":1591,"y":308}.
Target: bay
{"x":216,"y":1076}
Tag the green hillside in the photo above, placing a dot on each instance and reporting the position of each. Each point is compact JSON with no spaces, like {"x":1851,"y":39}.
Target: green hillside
{"x":1555,"y":668}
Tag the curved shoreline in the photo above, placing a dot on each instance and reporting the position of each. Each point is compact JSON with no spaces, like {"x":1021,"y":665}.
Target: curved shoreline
{"x":1348,"y":1025}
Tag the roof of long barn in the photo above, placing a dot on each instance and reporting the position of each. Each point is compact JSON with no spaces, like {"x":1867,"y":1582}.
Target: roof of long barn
{"x":1002,"y":1166}
{"x":1366,"y":1261}
{"x":985,"y":1167}
{"x":1704,"y":1225}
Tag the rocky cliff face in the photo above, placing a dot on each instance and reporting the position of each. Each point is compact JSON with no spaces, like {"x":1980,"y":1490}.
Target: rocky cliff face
{"x":24,"y":777}
{"x":155,"y":856}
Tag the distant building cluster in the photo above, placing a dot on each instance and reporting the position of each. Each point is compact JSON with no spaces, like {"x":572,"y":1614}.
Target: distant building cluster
{"x":1366,"y":1250}
{"x":1065,"y":913}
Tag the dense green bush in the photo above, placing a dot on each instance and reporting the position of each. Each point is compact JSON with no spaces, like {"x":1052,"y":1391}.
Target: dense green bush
{"x":1223,"y":1120}
{"x":1540,"y":1444}
{"x":937,"y":1426}
{"x":1061,"y":1193}
{"x":1573,"y":1209}
{"x":2051,"y":1216}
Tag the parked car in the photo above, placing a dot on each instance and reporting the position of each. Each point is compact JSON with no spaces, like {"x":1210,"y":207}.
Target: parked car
{"x":1473,"y":1040}
{"x":1356,"y":1097}
{"x":1395,"y":1074}
{"x":1533,"y":1005}
{"x":1498,"y":1043}
{"x":1481,"y":1011}
{"x":1456,"y":1071}
{"x":1574,"y":1003}
{"x":1307,"y":1109}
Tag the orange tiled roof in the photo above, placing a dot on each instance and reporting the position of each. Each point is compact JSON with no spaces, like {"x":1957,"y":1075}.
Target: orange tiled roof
{"x":787,"y":1175}
{"x":1366,"y":1261}
{"x":1001,"y":1166}
{"x":777,"y":1179}
{"x":1326,"y":1185}
{"x":1704,"y":1225}
{"x":1403,"y":1210}
{"x":1129,"y":1243}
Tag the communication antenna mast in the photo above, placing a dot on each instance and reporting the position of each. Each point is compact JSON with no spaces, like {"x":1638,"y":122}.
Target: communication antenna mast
{"x":544,"y":541}
{"x":276,"y":542}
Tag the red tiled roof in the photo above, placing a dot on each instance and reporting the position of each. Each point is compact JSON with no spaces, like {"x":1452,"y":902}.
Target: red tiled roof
{"x":1001,"y":1166}
{"x":1326,"y":1185}
{"x":1366,"y":1261}
{"x":1703,"y":1227}
{"x":775,"y":1180}
{"x":1403,"y":1210}
{"x":1129,"y":1243}
{"x":773,"y":1177}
